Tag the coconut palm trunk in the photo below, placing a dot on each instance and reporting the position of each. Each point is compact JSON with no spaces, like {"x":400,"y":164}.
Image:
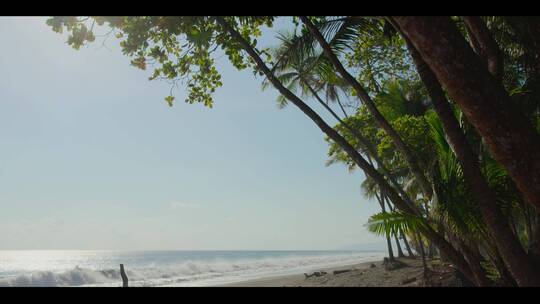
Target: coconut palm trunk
{"x":520,"y":265}
{"x":509,"y":135}
{"x":401,"y":204}
{"x":402,"y":235}
{"x":394,"y":233}
{"x":398,"y":246}
{"x":424,"y":262}
{"x":485,"y":46}
{"x":407,"y":246}
{"x":380,"y":199}
{"x":364,"y":143}
{"x":370,"y":105}
{"x":534,"y":240}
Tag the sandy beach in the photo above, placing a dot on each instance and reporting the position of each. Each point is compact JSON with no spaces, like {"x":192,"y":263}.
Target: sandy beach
{"x":368,"y":274}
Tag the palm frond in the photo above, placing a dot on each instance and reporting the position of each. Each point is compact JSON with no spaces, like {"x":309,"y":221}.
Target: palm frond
{"x":387,"y":223}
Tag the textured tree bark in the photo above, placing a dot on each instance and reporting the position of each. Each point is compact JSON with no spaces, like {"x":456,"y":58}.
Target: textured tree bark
{"x":380,"y":199}
{"x":507,"y":243}
{"x":506,"y":276}
{"x":479,"y":275}
{"x":370,"y":105}
{"x":398,"y":245}
{"x":458,"y":259}
{"x":487,"y":47}
{"x":476,"y":267}
{"x":407,"y":246}
{"x":426,"y":275}
{"x":396,"y":240}
{"x":534,"y":241}
{"x":401,"y":235}
{"x":508,"y":134}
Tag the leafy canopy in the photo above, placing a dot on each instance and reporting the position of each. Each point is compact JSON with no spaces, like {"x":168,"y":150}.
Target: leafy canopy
{"x":178,"y":48}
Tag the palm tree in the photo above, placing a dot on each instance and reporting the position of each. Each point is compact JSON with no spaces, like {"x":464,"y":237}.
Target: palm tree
{"x":388,"y":222}
{"x":311,"y":73}
{"x":508,"y":134}
{"x":370,"y":190}
{"x":402,"y":204}
{"x":507,"y":243}
{"x":414,"y":164}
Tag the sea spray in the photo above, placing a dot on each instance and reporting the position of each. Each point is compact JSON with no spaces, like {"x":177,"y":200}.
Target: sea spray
{"x":167,"y":268}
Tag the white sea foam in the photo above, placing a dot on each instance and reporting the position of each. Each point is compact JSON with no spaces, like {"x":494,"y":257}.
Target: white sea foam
{"x":189,"y":273}
{"x":74,"y":277}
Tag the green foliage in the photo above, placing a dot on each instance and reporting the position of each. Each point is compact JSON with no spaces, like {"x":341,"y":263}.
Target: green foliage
{"x":379,"y":58}
{"x":185,"y":49}
{"x":415,"y":133}
{"x":389,"y":223}
{"x":178,"y":48}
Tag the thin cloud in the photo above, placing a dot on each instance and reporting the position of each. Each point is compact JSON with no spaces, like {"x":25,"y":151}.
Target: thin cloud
{"x":183,"y":205}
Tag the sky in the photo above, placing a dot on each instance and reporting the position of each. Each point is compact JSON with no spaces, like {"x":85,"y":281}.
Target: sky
{"x":91,"y":157}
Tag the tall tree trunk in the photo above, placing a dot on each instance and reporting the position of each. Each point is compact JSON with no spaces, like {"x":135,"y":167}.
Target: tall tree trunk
{"x":487,"y":47}
{"x":474,"y":262}
{"x":395,"y":234}
{"x":497,"y":224}
{"x":506,"y":276}
{"x":370,"y":105}
{"x":407,"y":246}
{"x":509,"y":135}
{"x":398,"y":245}
{"x":427,"y":281}
{"x":369,"y":149}
{"x":401,"y":235}
{"x":507,"y":243}
{"x":380,"y":199}
{"x":431,"y":250}
{"x":534,"y":240}
{"x":456,"y":257}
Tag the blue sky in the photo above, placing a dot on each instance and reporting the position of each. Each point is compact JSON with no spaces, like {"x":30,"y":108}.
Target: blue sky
{"x":91,"y":157}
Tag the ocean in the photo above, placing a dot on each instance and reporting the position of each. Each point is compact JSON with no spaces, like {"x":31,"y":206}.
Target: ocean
{"x":163,"y":268}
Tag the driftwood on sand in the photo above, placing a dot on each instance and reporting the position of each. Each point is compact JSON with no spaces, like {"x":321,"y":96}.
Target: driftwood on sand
{"x":341,"y":271}
{"x":315,"y":274}
{"x":393,"y":264}
{"x":409,"y":280}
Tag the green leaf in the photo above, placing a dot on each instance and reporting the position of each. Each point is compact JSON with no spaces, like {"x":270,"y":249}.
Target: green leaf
{"x":169,"y":99}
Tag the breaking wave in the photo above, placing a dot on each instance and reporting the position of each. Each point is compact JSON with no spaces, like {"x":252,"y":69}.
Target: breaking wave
{"x":189,"y":273}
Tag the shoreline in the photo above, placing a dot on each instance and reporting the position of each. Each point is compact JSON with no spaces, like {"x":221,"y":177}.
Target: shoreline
{"x":293,"y":279}
{"x":364,"y":274}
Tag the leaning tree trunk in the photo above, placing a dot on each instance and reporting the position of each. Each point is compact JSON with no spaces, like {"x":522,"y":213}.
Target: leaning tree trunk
{"x":497,"y":224}
{"x":370,"y":150}
{"x":486,"y":47}
{"x":534,"y":240}
{"x":509,"y":135}
{"x":474,"y":262}
{"x":407,"y":246}
{"x":456,"y":257}
{"x":425,"y":273}
{"x":505,"y":276}
{"x":398,"y":245}
{"x":513,"y":254}
{"x":402,"y":235}
{"x":370,"y":105}
{"x":381,"y":199}
{"x":399,"y":250}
